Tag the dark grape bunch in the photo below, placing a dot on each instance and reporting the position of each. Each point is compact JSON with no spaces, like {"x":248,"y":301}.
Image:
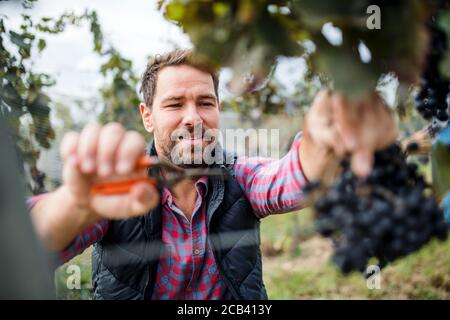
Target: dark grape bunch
{"x":388,"y":215}
{"x":432,"y":99}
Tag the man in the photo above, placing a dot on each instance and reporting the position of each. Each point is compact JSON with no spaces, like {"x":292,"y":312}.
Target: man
{"x":200,"y":239}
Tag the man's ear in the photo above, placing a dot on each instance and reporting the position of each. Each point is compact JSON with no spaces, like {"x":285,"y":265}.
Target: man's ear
{"x":147,"y":117}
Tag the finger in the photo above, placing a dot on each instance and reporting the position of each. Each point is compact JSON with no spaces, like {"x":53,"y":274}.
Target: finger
{"x":144,"y":198}
{"x":327,"y":135}
{"x":321,"y":105}
{"x":318,"y":121}
{"x":87,"y":148}
{"x":379,"y":129}
{"x":338,"y":145}
{"x":319,"y":133}
{"x":71,"y":174}
{"x":362,"y":162}
{"x":370,"y":124}
{"x":320,"y":126}
{"x":77,"y":182}
{"x":388,"y":130}
{"x":129,"y":151}
{"x":346,"y":117}
{"x":141,"y":198}
{"x":369,"y":131}
{"x":69,"y":145}
{"x":109,"y":140}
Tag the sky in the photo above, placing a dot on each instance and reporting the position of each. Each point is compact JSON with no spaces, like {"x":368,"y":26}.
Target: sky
{"x":136,"y":28}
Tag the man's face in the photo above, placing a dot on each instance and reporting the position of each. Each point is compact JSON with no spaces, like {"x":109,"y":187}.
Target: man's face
{"x":184,"y":107}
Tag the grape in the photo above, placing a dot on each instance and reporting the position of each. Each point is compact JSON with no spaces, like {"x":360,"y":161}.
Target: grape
{"x":432,"y":99}
{"x":387,"y":215}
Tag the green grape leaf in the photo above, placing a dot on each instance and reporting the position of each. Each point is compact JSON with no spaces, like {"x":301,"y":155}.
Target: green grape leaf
{"x":247,"y":35}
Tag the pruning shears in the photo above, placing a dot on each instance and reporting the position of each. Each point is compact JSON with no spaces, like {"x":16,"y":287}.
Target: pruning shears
{"x":170,"y":176}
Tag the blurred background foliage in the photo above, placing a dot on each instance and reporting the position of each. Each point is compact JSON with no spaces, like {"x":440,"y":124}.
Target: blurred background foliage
{"x":24,"y":101}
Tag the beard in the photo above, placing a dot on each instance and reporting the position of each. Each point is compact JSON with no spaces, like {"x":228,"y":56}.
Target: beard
{"x":188,"y":147}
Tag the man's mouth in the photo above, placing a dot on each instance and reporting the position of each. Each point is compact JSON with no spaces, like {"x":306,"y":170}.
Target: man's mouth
{"x":191,"y":138}
{"x":191,"y":141}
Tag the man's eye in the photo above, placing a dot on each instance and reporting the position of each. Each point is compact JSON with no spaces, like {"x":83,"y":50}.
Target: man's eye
{"x":206,"y":104}
{"x":174,"y":105}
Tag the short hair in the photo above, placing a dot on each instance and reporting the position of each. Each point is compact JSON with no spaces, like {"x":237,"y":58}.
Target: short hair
{"x":172,"y":58}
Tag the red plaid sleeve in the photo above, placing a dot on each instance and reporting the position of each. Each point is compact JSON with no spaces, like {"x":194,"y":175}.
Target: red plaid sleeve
{"x":272,"y":186}
{"x":88,"y":237}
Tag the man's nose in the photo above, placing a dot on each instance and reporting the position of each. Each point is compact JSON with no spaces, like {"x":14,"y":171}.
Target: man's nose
{"x":191,"y":117}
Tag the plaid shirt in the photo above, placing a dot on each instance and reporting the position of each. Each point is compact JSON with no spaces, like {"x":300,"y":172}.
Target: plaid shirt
{"x":187,"y":269}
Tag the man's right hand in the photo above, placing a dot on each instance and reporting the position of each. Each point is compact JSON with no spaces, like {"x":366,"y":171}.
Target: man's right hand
{"x":97,"y":153}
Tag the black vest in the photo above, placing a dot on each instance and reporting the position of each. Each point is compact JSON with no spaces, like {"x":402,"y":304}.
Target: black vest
{"x":125,"y":261}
